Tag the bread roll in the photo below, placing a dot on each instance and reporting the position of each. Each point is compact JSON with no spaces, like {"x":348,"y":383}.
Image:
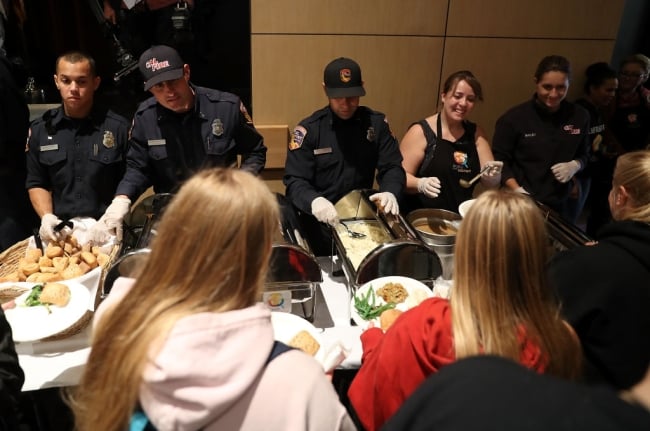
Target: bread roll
{"x":29,"y":268}
{"x":103,"y":259}
{"x":72,"y":271}
{"x":53,"y":251}
{"x":56,"y":294}
{"x":45,"y":261}
{"x":60,"y":263}
{"x":89,"y":258}
{"x":304,"y":341}
{"x":387,"y":318}
{"x":33,"y":254}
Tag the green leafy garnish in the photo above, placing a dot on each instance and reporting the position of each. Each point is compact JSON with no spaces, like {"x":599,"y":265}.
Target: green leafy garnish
{"x":366,"y":305}
{"x":34,"y":298}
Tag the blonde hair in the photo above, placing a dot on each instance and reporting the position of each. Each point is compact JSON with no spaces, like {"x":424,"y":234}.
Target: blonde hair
{"x":500,"y":285}
{"x":211,"y":254}
{"x":633,"y":173}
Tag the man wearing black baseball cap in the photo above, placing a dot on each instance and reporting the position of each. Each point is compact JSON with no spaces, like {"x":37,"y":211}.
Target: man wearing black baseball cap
{"x":182,"y":129}
{"x":338,"y":149}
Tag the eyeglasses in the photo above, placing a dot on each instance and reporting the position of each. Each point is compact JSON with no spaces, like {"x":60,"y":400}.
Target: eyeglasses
{"x":631,"y":74}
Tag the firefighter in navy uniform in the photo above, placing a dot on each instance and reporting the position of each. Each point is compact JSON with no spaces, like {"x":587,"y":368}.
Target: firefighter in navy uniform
{"x":76,"y":152}
{"x":182,"y":129}
{"x":338,"y":149}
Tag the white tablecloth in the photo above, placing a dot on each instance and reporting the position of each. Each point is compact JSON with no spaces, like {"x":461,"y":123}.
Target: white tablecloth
{"x":60,"y":363}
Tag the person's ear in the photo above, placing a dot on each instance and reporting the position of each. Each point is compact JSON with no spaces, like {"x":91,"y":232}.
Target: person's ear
{"x":56,"y":81}
{"x":96,"y":81}
{"x":186,"y":72}
{"x":622,"y":196}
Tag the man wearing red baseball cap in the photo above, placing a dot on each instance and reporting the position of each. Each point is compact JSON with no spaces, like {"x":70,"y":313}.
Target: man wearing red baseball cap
{"x":338,"y":149}
{"x":182,"y":129}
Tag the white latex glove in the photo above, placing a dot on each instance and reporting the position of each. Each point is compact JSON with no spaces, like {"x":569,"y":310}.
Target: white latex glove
{"x":111,"y":222}
{"x":492,"y":176}
{"x":46,"y":231}
{"x":520,"y":189}
{"x":386,"y":201}
{"x":565,"y":171}
{"x":324,"y":211}
{"x":429,"y":186}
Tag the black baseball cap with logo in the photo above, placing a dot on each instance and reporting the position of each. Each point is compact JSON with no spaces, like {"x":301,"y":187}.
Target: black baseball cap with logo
{"x":342,"y":78}
{"x":160,"y":63}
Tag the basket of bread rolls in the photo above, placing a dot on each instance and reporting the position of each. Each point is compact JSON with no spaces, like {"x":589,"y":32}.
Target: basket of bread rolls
{"x":65,"y":259}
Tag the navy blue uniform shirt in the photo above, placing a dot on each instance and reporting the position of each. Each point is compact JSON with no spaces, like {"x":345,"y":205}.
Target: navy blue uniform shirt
{"x":167,"y":148}
{"x":330,"y":157}
{"x":80,"y":161}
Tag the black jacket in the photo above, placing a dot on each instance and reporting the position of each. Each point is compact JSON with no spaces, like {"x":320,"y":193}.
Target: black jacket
{"x":604,"y":292}
{"x":11,"y":378}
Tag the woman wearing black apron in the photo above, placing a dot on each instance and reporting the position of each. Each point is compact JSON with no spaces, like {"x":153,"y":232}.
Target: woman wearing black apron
{"x":436,"y":162}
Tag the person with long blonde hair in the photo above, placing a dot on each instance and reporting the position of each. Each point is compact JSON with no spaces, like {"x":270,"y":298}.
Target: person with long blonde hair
{"x":500,"y":304}
{"x":605,"y":288}
{"x":187,"y":342}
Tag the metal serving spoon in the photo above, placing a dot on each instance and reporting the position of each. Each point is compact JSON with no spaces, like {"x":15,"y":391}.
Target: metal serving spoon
{"x":467,"y":184}
{"x":351,"y":233}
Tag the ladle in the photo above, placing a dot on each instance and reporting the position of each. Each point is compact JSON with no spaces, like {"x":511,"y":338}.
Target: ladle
{"x":467,"y":184}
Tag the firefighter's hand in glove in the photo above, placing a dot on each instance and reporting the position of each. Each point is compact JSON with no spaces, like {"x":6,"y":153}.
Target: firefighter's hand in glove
{"x":324,"y":211}
{"x":386,"y":201}
{"x":565,"y":171}
{"x":111,"y":222}
{"x":46,"y":231}
{"x":429,"y":186}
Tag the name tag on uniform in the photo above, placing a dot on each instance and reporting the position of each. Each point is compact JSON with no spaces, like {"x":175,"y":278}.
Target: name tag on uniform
{"x":156,"y":142}
{"x":51,"y":147}
{"x":319,"y":151}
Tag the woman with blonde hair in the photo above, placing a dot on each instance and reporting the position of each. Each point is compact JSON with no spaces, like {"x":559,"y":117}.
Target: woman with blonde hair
{"x":500,"y":304}
{"x":187,"y":343}
{"x":605,"y":288}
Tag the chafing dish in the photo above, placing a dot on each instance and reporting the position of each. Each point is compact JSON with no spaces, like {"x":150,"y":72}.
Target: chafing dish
{"x":294,"y":274}
{"x":390,"y":247}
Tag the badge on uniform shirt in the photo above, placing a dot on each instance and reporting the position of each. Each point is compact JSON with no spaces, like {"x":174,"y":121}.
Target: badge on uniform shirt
{"x":217,"y":127}
{"x":370,"y":134}
{"x":109,"y":139}
{"x":297,"y":137}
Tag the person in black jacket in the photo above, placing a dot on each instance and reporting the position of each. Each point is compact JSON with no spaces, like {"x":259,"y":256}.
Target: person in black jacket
{"x":16,"y":214}
{"x":11,"y":378}
{"x":544,"y":142}
{"x":604,"y":288}
{"x":493,"y":393}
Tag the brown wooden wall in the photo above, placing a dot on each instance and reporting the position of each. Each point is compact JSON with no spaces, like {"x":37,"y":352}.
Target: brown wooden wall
{"x":406,"y":48}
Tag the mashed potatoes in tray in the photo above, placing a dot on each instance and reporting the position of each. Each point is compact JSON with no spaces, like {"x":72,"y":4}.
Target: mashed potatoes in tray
{"x":358,"y":248}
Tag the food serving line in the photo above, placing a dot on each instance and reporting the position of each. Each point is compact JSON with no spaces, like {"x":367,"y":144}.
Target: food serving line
{"x":391,"y":247}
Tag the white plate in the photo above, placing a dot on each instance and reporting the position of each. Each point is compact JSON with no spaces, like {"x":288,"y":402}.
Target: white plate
{"x":287,"y":325}
{"x":417,"y":291}
{"x":34,"y":323}
{"x":464,"y":207}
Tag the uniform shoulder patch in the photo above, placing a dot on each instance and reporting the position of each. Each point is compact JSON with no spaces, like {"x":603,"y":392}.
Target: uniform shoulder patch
{"x":297,"y":138}
{"x":244,"y":112}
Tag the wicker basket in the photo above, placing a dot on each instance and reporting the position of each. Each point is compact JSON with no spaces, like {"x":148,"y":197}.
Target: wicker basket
{"x":9,"y":260}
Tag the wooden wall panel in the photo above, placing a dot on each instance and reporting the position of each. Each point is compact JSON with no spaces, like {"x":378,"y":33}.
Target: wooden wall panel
{"x":572,"y":19}
{"x":405,"y":17}
{"x":505,"y":68}
{"x":401,"y":75}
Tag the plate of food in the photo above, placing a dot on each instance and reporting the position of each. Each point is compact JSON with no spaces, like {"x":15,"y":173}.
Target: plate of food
{"x":294,"y":331}
{"x":44,"y":309}
{"x":386,"y":293}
